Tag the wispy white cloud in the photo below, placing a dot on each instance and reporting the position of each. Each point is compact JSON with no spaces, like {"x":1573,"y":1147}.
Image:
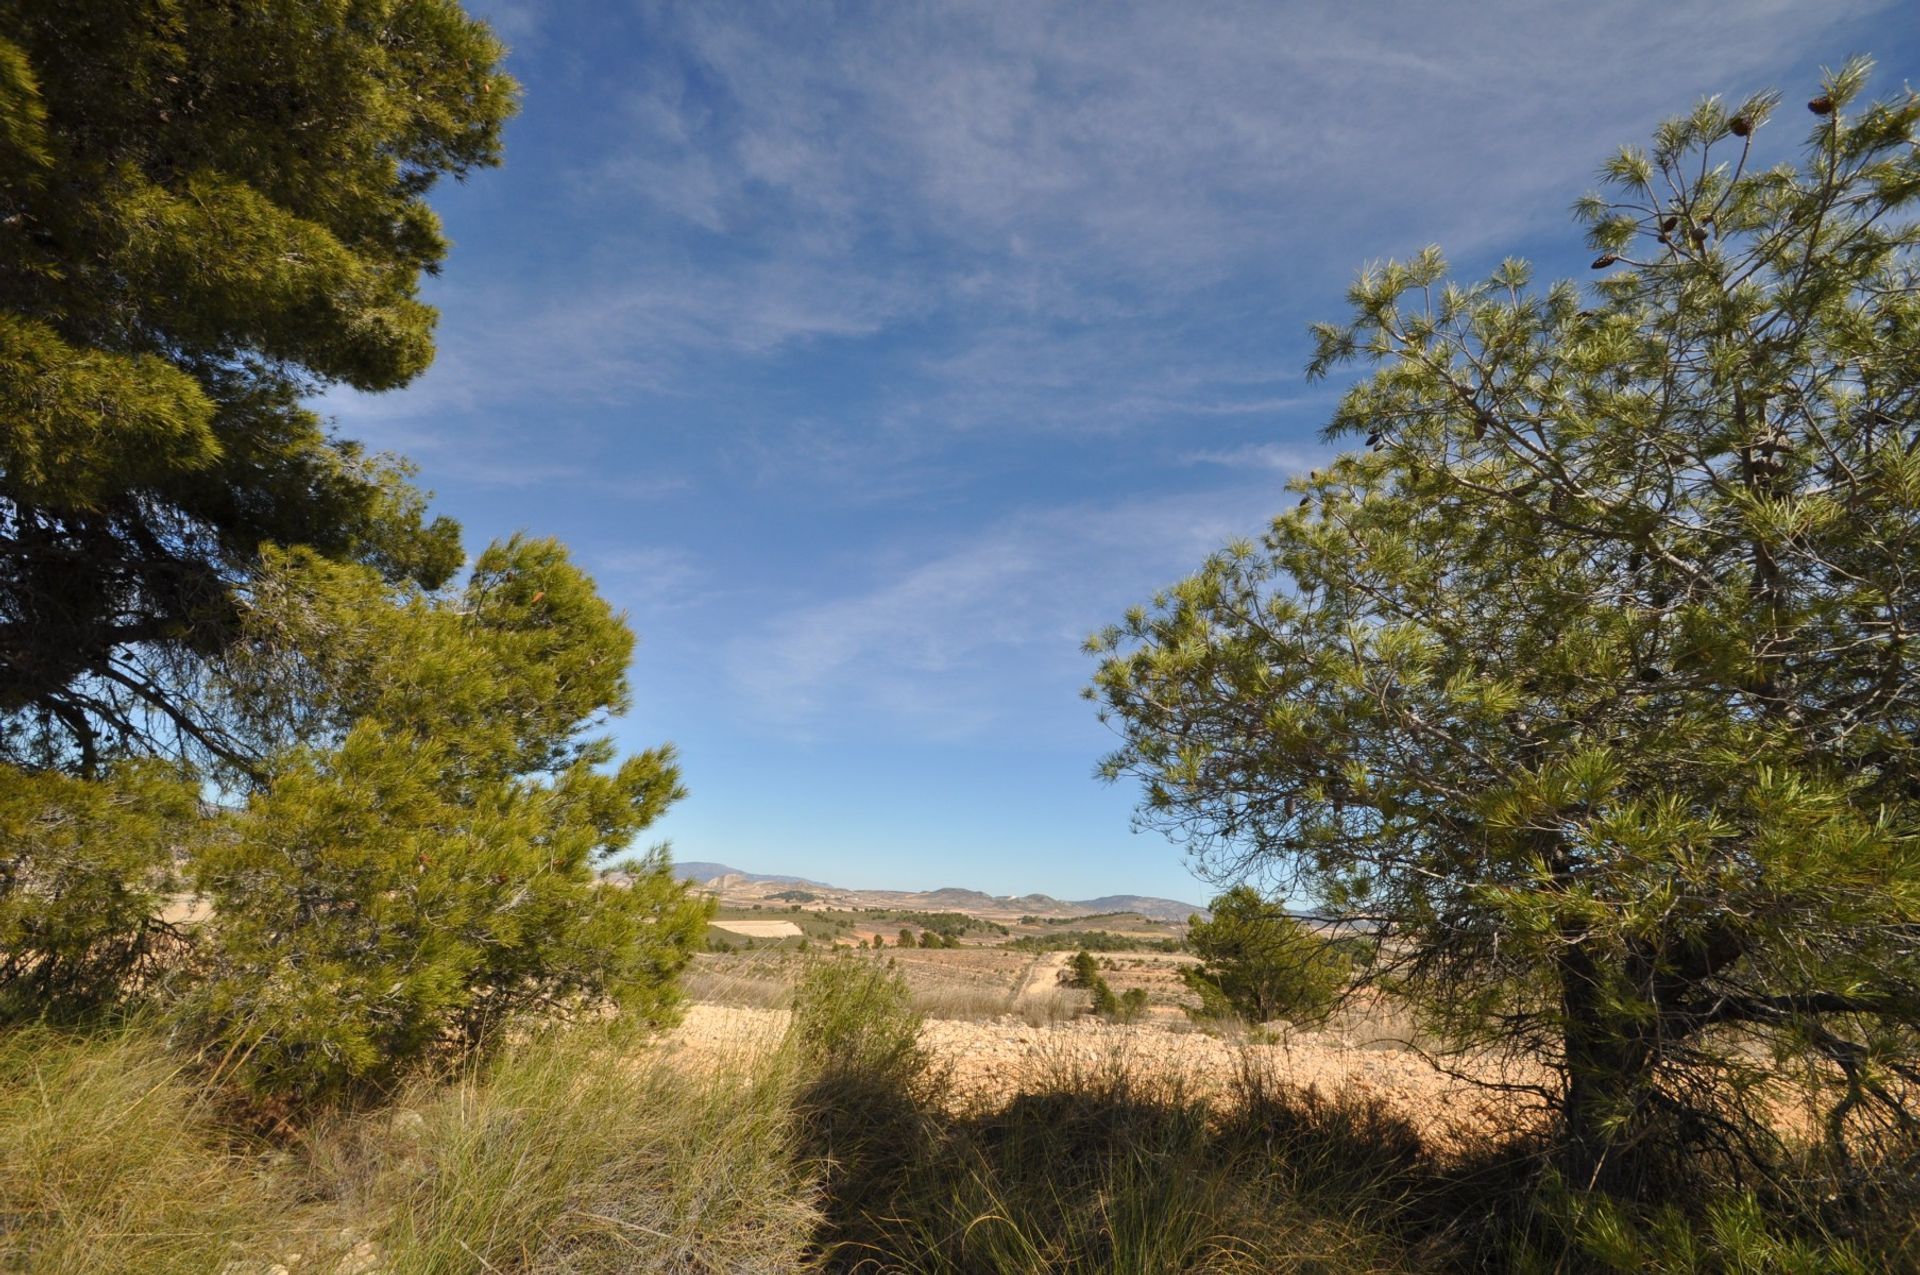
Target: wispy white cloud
{"x":1268,"y":456}
{"x":660,"y":578}
{"x":1057,"y":150}
{"x":961,"y":637}
{"x":1049,"y":217}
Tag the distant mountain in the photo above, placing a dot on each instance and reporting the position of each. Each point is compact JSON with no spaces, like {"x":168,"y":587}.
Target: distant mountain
{"x":954,"y":898}
{"x":1145,"y":905}
{"x":705,"y":872}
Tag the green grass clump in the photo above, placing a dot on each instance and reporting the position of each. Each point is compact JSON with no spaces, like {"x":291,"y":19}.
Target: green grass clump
{"x":112,"y":1161}
{"x":585,"y":1151}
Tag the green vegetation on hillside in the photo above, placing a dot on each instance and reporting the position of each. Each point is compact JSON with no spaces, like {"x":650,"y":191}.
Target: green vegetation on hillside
{"x":1092,"y":941}
{"x":945,"y":924}
{"x":1089,"y":917}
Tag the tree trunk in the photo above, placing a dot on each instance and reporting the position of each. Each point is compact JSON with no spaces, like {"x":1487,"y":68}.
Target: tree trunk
{"x":1608,"y":1063}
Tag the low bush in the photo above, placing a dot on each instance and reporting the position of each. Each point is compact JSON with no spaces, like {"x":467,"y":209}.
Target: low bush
{"x":86,"y":870}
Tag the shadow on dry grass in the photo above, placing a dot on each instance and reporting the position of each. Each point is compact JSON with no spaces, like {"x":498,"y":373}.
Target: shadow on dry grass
{"x":841,"y":1147}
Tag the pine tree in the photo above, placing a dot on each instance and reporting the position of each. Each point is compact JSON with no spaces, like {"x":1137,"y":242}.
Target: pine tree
{"x":86,"y":871}
{"x":1590,"y":682}
{"x":425,"y":860}
{"x":1258,"y":963}
{"x":207,"y":212}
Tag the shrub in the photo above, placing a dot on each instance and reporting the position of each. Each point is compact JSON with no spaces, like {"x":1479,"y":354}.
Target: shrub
{"x":855,"y":1017}
{"x":86,"y":868}
{"x":1258,"y":963}
{"x":869,"y":1092}
{"x":423,"y":864}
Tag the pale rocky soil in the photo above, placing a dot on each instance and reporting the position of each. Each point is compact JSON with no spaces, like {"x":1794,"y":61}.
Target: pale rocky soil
{"x":760,"y":929}
{"x":998,"y":1058}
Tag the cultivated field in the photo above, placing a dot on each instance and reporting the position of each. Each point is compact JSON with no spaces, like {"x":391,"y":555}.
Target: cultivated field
{"x":760,"y":929}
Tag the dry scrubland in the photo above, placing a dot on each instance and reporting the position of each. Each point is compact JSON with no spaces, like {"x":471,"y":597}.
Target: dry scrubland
{"x":1002,"y":1021}
{"x":839,"y":1131}
{"x":860,"y":1140}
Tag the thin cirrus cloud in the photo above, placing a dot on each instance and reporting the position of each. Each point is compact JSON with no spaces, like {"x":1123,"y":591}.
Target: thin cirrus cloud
{"x":1005,"y":186}
{"x":1064,"y":160}
{"x":959,"y":639}
{"x":873,"y":354}
{"x":1015,"y":220}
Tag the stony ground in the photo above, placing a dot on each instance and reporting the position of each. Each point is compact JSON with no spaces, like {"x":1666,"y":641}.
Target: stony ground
{"x":997,"y":1058}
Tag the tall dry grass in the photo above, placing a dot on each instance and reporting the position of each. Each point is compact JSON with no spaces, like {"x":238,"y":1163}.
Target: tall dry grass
{"x":585,"y":1151}
{"x":578,"y":1151}
{"x":112,"y":1160}
{"x":838,"y":1148}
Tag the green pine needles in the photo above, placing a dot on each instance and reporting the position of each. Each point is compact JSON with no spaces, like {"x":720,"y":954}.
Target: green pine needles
{"x":1258,"y":963}
{"x":1589,"y":682}
{"x":208,"y":212}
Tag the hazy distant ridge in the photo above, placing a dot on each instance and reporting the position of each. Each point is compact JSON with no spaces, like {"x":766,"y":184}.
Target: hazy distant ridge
{"x":704,"y":872}
{"x":959,"y":899}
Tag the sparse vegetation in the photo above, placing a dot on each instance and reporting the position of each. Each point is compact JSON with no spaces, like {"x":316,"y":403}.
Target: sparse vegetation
{"x":946,"y":924}
{"x":1585,"y":695}
{"x":1092,"y":941}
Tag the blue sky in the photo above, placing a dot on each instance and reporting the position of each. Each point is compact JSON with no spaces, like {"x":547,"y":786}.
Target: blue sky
{"x":872,"y":355}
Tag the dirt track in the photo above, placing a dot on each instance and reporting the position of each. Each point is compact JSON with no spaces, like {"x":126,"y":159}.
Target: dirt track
{"x":1042,"y":978}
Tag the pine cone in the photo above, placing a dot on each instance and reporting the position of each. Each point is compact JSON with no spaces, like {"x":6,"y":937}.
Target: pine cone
{"x":1822,"y":105}
{"x":1740,"y":126}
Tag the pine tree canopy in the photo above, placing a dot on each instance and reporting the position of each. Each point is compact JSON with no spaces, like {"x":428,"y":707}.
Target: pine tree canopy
{"x":1259,"y":963}
{"x":207,"y":211}
{"x":1591,"y":681}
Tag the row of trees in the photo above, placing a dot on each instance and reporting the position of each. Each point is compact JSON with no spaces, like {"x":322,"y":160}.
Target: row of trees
{"x":1589,"y":684}
{"x":237,"y":657}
